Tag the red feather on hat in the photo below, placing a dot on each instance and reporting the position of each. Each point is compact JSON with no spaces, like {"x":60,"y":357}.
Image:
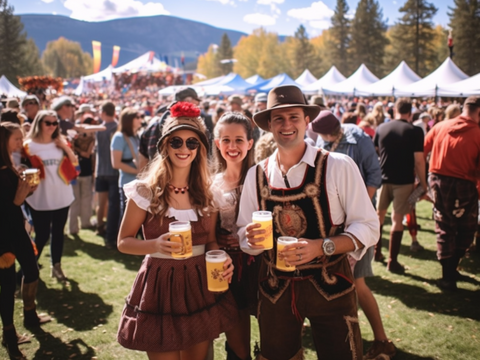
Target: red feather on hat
{"x":184,"y":109}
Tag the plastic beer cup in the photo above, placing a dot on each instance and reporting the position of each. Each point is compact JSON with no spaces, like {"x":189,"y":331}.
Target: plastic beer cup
{"x":283,"y":241}
{"x":264,"y":218}
{"x":181,"y":232}
{"x":215,"y":259}
{"x":32,"y":176}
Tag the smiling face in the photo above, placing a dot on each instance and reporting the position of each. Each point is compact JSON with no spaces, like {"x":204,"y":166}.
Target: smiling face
{"x":183,"y":156}
{"x":288,"y":126}
{"x":233,"y":143}
{"x":48,"y":125}
{"x":15,"y":141}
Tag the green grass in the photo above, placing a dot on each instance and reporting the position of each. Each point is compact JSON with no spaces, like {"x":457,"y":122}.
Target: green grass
{"x":423,"y":322}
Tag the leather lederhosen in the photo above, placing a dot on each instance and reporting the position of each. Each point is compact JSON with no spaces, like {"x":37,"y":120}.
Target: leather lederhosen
{"x":302,"y":212}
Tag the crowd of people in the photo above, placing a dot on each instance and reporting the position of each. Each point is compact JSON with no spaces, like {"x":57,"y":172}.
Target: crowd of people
{"x":327,"y":170}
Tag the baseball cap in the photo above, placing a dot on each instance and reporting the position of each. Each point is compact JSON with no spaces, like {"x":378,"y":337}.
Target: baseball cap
{"x":30,"y":97}
{"x":184,"y":93}
{"x":61,"y":101}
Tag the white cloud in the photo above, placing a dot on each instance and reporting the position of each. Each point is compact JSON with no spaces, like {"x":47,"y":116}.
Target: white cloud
{"x":269,"y":2}
{"x":98,"y":10}
{"x":224,"y":2}
{"x":317,"y":11}
{"x":48,"y":1}
{"x":259,"y":19}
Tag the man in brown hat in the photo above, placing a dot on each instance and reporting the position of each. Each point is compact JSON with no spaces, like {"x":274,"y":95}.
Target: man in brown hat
{"x":318,"y":198}
{"x":454,"y":171}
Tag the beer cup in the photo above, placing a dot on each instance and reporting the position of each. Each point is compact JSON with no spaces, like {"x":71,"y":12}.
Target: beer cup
{"x":264,"y":218}
{"x":32,"y":176}
{"x":283,"y":241}
{"x":181,"y":232}
{"x":215,"y":260}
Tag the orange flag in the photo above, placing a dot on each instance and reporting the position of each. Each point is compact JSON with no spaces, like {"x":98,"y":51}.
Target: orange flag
{"x":116,"y":54}
{"x":97,"y":56}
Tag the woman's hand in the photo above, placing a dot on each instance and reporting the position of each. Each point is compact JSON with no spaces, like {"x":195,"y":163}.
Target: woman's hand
{"x":165,"y":246}
{"x":23,"y":190}
{"x":301,"y":252}
{"x":228,"y":267}
{"x":253,"y":236}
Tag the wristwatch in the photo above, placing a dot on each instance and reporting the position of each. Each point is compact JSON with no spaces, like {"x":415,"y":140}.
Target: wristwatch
{"x":328,"y":247}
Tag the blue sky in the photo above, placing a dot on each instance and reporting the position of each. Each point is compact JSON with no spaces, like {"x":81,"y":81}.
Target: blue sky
{"x":280,"y":16}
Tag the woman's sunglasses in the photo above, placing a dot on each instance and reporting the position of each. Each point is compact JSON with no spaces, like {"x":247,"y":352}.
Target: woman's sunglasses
{"x":50,"y":123}
{"x":177,"y":142}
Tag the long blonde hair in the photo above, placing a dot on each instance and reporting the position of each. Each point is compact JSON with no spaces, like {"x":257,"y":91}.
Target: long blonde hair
{"x":378,"y":114}
{"x":159,"y":174}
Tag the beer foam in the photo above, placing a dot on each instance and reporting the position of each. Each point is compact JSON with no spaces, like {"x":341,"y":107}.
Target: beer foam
{"x":262,"y":215}
{"x":219,"y":257}
{"x":30,"y":171}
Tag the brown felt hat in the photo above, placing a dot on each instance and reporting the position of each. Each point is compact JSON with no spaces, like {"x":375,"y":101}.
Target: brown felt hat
{"x":286,"y":96}
{"x":325,"y":123}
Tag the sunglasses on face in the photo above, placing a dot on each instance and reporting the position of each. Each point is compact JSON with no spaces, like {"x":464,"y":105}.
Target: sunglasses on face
{"x":177,"y":142}
{"x":50,"y":123}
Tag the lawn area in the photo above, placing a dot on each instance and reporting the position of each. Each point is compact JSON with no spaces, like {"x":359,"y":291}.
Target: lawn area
{"x":423,"y":322}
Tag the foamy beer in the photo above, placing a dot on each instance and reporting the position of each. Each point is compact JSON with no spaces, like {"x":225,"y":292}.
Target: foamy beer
{"x":283,"y":241}
{"x":32,"y":176}
{"x":264,"y":218}
{"x":215,"y":260}
{"x":181,"y":232}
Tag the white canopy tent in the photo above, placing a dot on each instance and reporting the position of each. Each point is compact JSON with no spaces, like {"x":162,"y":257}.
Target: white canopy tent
{"x":7,"y":88}
{"x":332,"y":77}
{"x":359,"y":79}
{"x":446,"y":74}
{"x":145,"y":62}
{"x":398,"y":78}
{"x":306,"y":78}
{"x":255,"y":79}
{"x":463,"y":88}
{"x":230,"y":84}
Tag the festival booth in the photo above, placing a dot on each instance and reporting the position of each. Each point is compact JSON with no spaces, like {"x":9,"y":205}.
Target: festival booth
{"x":359,"y":79}
{"x":306,"y":78}
{"x":7,"y":88}
{"x":102,"y":79}
{"x":255,"y":80}
{"x":446,"y":74}
{"x":463,"y":88}
{"x":398,"y":78}
{"x":332,"y":77}
{"x":279,"y":80}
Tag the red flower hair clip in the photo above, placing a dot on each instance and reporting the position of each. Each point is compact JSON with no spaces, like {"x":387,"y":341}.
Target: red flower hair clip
{"x":184,"y":109}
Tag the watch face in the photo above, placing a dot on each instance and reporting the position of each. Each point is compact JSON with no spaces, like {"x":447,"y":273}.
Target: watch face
{"x":328,"y":247}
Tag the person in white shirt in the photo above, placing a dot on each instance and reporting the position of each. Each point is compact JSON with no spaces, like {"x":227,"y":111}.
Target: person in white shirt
{"x":319,"y":198}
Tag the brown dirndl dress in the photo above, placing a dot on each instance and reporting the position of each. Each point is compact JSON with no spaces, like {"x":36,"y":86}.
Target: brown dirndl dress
{"x":169,"y":307}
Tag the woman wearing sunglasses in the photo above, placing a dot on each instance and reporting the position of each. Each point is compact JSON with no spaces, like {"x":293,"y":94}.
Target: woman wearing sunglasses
{"x":169,"y":312}
{"x":49,"y":204}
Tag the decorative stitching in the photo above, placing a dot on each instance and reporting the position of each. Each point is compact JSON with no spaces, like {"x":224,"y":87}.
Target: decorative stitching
{"x":351,"y":320}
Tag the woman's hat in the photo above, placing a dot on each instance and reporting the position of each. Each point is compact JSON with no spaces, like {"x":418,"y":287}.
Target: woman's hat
{"x":184,"y":116}
{"x":285,"y":96}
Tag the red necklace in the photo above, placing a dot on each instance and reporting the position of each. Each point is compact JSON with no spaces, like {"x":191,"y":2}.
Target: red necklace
{"x":177,"y":190}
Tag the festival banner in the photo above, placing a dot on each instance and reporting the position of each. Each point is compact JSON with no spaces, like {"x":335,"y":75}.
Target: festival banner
{"x":116,"y":54}
{"x":97,"y":56}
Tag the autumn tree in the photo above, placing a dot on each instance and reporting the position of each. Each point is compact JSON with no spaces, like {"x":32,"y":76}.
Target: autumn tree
{"x":368,"y":39}
{"x":413,"y":36}
{"x":208,"y":63}
{"x":18,"y":54}
{"x":322,"y":47}
{"x":301,"y":54}
{"x":339,"y":41}
{"x":65,"y":58}
{"x":465,"y":24}
{"x":225,"y":52}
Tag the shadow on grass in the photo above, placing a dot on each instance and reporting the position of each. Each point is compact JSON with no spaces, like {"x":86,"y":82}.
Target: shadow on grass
{"x":69,"y":302}
{"x":100,"y":252}
{"x":52,"y":347}
{"x":417,"y":297}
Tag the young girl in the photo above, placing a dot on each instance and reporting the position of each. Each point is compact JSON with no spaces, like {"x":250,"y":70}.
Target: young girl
{"x":233,"y":156}
{"x":169,"y":312}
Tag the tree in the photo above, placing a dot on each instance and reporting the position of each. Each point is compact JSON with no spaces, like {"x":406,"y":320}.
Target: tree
{"x":465,"y":22}
{"x":322,"y":45}
{"x":339,"y":41}
{"x":18,"y":55}
{"x":412,"y":38}
{"x":301,"y":54}
{"x":368,"y":39}
{"x":65,"y":58}
{"x":207,"y":63}
{"x":225,"y":52}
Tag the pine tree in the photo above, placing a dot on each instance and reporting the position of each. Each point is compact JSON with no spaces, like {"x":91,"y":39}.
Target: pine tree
{"x":465,"y":24}
{"x":302,"y":54}
{"x":368,"y":37}
{"x":339,"y":40}
{"x":225,"y":52}
{"x":412,"y":38}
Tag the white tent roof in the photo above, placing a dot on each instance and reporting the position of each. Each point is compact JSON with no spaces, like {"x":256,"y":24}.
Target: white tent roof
{"x":463,"y":88}
{"x":6,"y":87}
{"x":105,"y":74}
{"x":332,"y":77}
{"x":255,"y":79}
{"x":398,"y":78}
{"x":306,"y":78}
{"x":209,"y":81}
{"x":146,"y":62}
{"x":446,"y":74}
{"x":359,"y":79}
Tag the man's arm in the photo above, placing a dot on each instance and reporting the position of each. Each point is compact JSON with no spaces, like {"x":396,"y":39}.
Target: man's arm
{"x":420,"y":168}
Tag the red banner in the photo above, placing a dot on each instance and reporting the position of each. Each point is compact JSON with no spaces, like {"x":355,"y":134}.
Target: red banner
{"x":115,"y":56}
{"x":97,"y":56}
